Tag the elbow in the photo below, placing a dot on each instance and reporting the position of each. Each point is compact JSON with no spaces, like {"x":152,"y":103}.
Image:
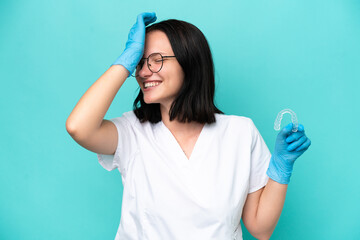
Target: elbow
{"x":70,"y":128}
{"x":259,"y":233}
{"x":262,"y":235}
{"x":73,"y":131}
{"x":259,"y":230}
{"x":80,"y":135}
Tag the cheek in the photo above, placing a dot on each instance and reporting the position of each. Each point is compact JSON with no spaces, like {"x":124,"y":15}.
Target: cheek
{"x":174,"y":76}
{"x":177,"y":83}
{"x":178,"y":76}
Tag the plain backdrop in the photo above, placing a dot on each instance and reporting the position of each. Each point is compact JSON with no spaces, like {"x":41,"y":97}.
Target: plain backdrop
{"x":268,"y":55}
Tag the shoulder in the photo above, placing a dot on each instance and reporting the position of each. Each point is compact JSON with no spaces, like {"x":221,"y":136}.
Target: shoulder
{"x":129,"y":118}
{"x":126,"y":119}
{"x":233,"y":121}
{"x":234,"y":125}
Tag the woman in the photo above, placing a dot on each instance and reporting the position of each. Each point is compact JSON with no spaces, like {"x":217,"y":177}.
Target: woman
{"x":188,"y":170}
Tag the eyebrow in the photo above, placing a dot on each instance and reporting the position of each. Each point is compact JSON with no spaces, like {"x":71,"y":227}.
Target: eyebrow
{"x":163,"y":53}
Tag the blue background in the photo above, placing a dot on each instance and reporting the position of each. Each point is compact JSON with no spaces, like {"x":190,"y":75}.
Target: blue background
{"x":268,"y":55}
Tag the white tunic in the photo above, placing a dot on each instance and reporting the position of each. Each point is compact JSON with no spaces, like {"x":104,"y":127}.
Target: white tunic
{"x":167,"y":196}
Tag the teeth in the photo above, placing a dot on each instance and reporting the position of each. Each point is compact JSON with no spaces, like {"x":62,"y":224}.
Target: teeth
{"x":151,"y":84}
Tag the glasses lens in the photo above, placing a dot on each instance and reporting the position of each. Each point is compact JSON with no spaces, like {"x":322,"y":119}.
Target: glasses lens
{"x":155,"y":62}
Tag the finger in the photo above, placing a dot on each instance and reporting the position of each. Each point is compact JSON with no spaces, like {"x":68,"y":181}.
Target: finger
{"x":290,"y":139}
{"x":148,"y":17}
{"x":142,"y":17}
{"x":296,"y":144}
{"x":294,"y":136}
{"x":304,"y":146}
{"x":301,"y":128}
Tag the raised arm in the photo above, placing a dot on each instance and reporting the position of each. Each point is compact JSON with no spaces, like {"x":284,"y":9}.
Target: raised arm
{"x":86,"y":122}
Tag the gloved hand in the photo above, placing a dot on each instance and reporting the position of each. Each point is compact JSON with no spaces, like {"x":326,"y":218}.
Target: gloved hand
{"x":134,"y":48}
{"x":288,"y":147}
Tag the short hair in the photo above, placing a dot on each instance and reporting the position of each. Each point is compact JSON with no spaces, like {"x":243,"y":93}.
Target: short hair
{"x":195,"y":100}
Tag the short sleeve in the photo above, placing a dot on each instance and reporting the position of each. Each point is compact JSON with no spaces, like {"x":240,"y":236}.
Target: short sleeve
{"x":125,"y":148}
{"x":260,"y":159}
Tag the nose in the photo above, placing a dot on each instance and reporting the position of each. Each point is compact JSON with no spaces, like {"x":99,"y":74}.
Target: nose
{"x":144,"y":71}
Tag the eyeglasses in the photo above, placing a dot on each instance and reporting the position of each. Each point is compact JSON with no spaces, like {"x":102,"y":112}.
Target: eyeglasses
{"x":154,"y":62}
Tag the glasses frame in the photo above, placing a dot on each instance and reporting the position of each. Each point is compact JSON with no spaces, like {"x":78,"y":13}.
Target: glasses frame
{"x":148,"y":64}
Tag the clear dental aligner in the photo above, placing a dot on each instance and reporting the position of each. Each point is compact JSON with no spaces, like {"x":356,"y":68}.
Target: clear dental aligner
{"x":293,"y":119}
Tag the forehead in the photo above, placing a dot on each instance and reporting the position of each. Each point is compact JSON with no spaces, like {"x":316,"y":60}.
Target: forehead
{"x":157,"y":41}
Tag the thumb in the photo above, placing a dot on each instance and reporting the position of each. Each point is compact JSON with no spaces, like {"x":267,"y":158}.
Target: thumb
{"x":287,"y":130}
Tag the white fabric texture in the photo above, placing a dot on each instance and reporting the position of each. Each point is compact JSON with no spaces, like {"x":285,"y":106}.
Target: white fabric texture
{"x":168,"y":196}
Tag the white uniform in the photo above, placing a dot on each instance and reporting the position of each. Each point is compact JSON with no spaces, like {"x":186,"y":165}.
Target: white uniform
{"x":167,"y":196}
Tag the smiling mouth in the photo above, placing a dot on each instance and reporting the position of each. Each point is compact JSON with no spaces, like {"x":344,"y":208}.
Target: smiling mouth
{"x":151,"y":84}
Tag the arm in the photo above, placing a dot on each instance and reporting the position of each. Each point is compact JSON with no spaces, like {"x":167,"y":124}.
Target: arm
{"x":263,"y":208}
{"x":87,"y":116}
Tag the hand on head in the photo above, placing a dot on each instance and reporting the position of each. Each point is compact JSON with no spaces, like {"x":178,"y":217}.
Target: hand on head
{"x":134,"y":48}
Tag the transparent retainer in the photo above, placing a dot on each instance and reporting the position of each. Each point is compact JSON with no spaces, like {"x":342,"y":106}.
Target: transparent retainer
{"x":280,"y":116}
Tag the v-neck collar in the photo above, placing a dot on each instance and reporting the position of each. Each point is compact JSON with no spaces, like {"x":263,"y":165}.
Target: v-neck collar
{"x":197,"y":147}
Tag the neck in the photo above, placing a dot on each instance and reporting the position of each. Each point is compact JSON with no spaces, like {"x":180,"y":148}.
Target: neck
{"x":178,"y":127}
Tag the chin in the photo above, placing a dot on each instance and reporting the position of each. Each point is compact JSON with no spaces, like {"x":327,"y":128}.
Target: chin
{"x":149,"y":100}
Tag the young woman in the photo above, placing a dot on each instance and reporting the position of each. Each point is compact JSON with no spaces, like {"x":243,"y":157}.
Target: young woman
{"x":188,"y":170}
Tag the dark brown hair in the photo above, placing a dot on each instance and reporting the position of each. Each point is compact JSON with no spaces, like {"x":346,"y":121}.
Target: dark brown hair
{"x":195,"y":100}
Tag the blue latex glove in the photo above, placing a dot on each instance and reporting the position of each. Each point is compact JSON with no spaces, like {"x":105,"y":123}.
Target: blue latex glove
{"x":134,"y":48}
{"x":288,"y":147}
